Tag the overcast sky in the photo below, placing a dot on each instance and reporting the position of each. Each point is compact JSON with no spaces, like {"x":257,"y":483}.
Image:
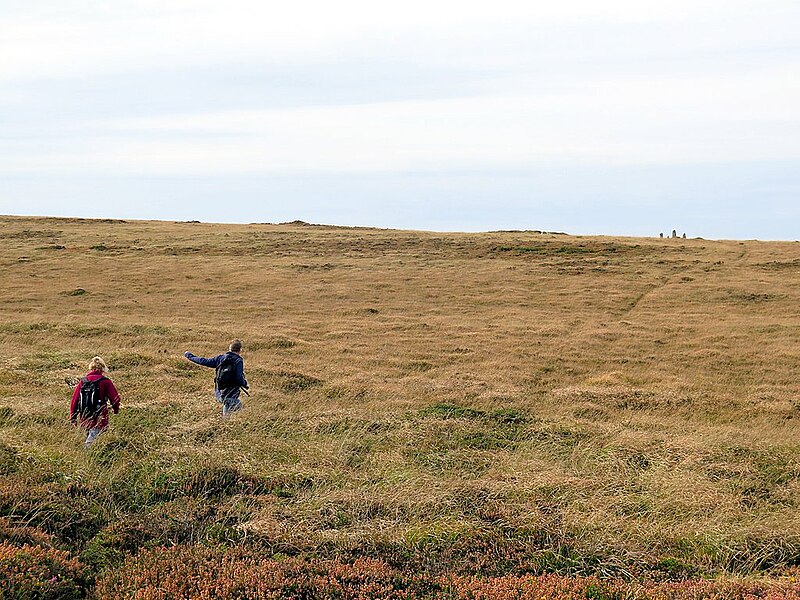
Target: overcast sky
{"x":614,"y":117}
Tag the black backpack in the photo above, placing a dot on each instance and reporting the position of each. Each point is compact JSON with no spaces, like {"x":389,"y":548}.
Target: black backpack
{"x":225,"y":377}
{"x":90,"y":403}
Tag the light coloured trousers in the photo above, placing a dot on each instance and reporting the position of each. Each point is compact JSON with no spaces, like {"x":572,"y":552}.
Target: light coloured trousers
{"x":91,"y":436}
{"x":231,"y":406}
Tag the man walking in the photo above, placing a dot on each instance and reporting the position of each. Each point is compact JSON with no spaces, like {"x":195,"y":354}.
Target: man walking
{"x":228,"y":378}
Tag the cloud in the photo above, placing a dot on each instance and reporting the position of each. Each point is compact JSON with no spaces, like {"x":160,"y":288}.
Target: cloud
{"x":60,"y":39}
{"x":657,"y":121}
{"x":304,"y":90}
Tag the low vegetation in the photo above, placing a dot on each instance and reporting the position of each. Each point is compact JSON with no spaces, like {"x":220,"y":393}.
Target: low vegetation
{"x":498,"y":415}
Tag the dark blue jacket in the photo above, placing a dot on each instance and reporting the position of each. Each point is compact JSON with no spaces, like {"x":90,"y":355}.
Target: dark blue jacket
{"x":226,"y":393}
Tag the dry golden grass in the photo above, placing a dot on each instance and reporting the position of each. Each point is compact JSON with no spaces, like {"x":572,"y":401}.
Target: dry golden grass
{"x":594,"y":404}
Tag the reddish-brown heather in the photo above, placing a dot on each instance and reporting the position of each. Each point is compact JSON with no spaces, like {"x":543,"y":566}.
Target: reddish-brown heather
{"x":206,"y":573}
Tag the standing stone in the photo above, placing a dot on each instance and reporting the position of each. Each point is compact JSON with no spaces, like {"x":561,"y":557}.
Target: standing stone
{"x":661,"y":235}
{"x":684,"y":236}
{"x":674,"y":233}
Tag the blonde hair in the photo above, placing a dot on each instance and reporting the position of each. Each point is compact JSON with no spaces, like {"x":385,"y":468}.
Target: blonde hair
{"x":98,"y":364}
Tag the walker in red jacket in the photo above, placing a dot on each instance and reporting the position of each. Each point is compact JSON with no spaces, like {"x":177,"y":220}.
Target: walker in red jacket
{"x":96,"y":423}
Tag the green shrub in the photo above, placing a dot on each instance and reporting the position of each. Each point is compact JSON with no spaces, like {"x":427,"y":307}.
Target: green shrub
{"x":9,"y":460}
{"x":508,"y":416}
{"x":674,"y":568}
{"x":601,"y":592}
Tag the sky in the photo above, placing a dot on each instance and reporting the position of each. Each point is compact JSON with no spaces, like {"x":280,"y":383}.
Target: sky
{"x":621,"y":117}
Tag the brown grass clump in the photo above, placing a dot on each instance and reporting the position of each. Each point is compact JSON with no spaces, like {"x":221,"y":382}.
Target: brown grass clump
{"x":504,"y":403}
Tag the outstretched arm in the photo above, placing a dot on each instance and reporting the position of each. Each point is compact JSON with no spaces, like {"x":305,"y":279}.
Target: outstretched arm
{"x":206,"y":362}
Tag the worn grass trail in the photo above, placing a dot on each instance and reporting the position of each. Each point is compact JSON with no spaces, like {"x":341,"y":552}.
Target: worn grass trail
{"x":496,"y":403}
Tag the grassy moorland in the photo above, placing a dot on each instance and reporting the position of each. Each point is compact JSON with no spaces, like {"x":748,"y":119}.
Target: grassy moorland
{"x":498,"y":415}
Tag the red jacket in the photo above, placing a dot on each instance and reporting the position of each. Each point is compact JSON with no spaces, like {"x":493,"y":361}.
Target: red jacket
{"x":107,"y":391}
